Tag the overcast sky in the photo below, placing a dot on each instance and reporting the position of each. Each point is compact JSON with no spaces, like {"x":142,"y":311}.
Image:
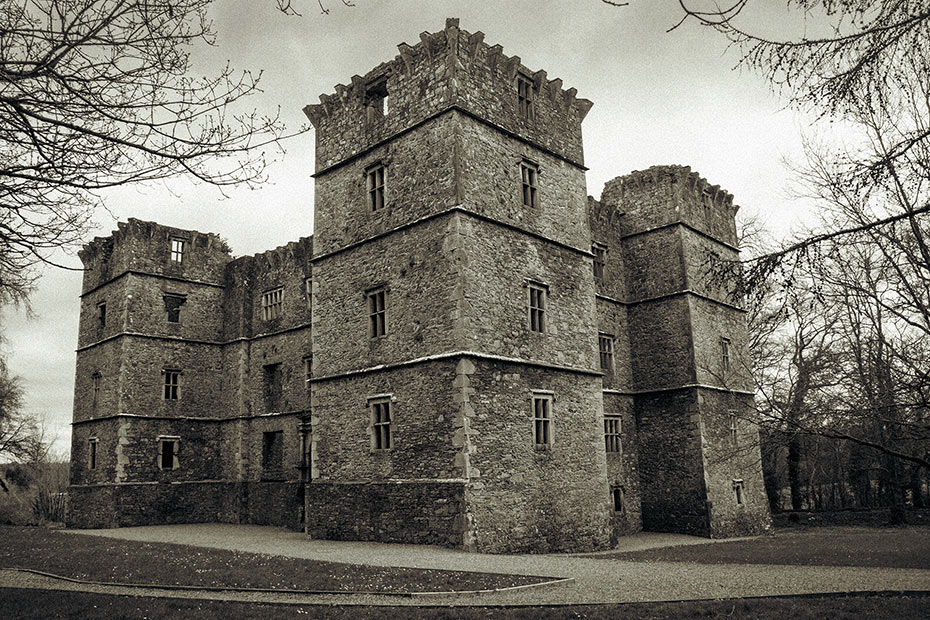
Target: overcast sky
{"x":659,"y":98}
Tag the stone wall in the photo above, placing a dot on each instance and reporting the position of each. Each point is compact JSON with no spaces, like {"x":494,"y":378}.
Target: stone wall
{"x":496,"y":300}
{"x":522,"y":498}
{"x":670,"y":463}
{"x":415,"y":271}
{"x":623,"y":467}
{"x":492,"y":185}
{"x":422,"y":413}
{"x":420,"y":180}
{"x":729,"y":458}
{"x":421,"y":512}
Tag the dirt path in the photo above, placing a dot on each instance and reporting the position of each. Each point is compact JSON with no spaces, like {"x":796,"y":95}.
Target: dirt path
{"x":595,"y":580}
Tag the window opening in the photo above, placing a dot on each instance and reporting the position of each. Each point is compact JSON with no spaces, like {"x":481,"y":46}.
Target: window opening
{"x":528,"y":175}
{"x":537,"y":307}
{"x":613,"y":427}
{"x":542,"y":421}
{"x":381,"y":425}
{"x":377,"y":313}
{"x":272,"y":303}
{"x":375,"y":181}
{"x":172,"y":384}
{"x":177,"y":250}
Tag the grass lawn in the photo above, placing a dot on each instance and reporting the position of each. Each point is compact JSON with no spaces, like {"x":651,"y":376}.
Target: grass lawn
{"x":26,"y":605}
{"x":907,"y":547}
{"x":105,"y":559}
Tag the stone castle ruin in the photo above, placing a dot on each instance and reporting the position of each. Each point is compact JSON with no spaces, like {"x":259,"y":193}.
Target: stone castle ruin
{"x":469,"y":351}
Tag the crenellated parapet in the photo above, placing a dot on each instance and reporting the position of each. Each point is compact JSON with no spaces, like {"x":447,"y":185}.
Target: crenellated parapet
{"x":445,"y":69}
{"x":146,"y":247}
{"x":662,"y":195}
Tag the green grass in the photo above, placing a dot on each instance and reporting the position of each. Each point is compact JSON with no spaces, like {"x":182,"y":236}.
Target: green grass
{"x":42,"y":604}
{"x":827,"y":546}
{"x":105,"y":559}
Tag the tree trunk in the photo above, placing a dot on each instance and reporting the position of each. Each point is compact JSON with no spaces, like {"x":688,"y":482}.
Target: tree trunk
{"x":794,"y":471}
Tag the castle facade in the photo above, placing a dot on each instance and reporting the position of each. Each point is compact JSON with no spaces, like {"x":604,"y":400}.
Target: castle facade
{"x":469,"y":351}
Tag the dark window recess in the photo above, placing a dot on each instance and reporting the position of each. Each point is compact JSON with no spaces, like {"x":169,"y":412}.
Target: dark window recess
{"x":173,"y":305}
{"x":273,"y":451}
{"x":525,"y":96}
{"x":375,"y":183}
{"x":101,"y":315}
{"x":528,"y":175}
{"x":738,"y":490}
{"x":605,"y":345}
{"x":725,"y":354}
{"x":168,"y":453}
{"x":93,"y":454}
{"x":377,"y":313}
{"x":612,"y":433}
{"x":95,"y":381}
{"x":537,"y":308}
{"x":172,"y":384}
{"x":376,"y":98}
{"x":542,"y":421}
{"x":600,"y":259}
{"x":616,"y":494}
{"x":381,"y":423}
{"x":273,"y":387}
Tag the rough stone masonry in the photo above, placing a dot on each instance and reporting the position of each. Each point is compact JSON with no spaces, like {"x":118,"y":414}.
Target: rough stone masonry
{"x":469,"y":351}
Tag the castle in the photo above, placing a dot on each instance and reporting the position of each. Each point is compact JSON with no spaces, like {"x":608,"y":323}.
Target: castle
{"x":469,"y":351}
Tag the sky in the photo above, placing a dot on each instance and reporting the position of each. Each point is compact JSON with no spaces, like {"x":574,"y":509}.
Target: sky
{"x":659,"y":98}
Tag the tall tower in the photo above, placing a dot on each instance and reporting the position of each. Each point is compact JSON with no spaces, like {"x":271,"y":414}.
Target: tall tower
{"x":456,"y":396}
{"x":699,"y":465}
{"x":149,"y":340}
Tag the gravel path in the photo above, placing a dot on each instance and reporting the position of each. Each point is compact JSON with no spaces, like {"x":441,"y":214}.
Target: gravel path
{"x":595,"y":580}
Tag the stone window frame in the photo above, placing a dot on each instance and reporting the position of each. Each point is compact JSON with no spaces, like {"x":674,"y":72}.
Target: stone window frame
{"x":529,"y":183}
{"x":176,"y":250}
{"x":739,"y":491}
{"x":725,"y":354}
{"x":92,"y":443}
{"x":376,"y":307}
{"x":613,"y":433}
{"x":525,"y":87}
{"x":272,"y":303}
{"x":171,"y":389}
{"x":537,"y":305}
{"x":605,"y":351}
{"x":173,"y":310}
{"x":600,"y":259}
{"x":95,"y":380}
{"x":376,"y":185}
{"x":101,"y":314}
{"x":382,"y":420}
{"x":732,"y":427}
{"x":617,"y":498}
{"x":541,"y":410}
{"x":308,"y":292}
{"x":175,"y":442}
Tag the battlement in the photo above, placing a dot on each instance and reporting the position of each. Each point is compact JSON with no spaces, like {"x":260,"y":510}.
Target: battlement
{"x":446,"y":69}
{"x":661,"y":195}
{"x":137,"y":245}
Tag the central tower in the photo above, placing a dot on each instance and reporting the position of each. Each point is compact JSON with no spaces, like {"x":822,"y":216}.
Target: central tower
{"x":455,"y":387}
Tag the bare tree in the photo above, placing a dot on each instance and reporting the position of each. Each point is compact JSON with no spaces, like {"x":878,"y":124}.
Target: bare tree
{"x":99,"y":93}
{"x":20,"y":434}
